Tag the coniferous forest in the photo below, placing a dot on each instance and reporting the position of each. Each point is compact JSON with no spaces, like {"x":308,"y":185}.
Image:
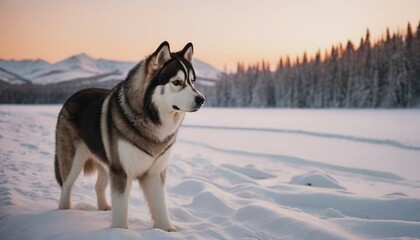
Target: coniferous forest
{"x":384,"y":73}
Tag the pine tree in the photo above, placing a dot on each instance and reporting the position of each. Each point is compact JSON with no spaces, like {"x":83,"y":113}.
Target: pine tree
{"x":416,"y":66}
{"x":317,"y":84}
{"x":398,"y":83}
{"x":366,"y":88}
{"x":409,"y":40}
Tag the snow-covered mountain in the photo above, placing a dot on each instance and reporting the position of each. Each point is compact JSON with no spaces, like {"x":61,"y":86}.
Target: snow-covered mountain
{"x":81,"y":67}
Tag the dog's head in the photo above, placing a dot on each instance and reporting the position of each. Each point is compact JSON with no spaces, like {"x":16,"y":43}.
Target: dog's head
{"x":171,"y":82}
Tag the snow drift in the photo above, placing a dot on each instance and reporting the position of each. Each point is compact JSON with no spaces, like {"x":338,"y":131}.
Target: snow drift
{"x":235,"y":174}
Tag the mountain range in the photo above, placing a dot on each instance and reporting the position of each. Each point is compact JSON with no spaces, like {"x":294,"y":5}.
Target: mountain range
{"x":83,"y":70}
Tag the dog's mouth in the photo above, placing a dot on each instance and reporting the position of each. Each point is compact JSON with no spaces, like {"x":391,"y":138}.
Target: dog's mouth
{"x":178,"y":109}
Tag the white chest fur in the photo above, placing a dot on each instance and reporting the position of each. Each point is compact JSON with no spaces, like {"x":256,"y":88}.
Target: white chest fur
{"x":136,"y":162}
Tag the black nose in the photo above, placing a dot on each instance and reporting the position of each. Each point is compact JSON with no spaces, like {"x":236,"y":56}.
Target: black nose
{"x":199,"y":100}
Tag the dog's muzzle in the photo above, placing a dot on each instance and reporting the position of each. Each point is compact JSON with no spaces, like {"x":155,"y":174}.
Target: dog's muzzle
{"x":199,"y":100}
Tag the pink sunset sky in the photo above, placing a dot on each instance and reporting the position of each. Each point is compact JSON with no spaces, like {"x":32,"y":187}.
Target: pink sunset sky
{"x":223,"y":32}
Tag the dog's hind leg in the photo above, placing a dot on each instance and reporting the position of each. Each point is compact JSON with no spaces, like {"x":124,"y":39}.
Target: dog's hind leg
{"x":100,"y":187}
{"x":80,"y":157}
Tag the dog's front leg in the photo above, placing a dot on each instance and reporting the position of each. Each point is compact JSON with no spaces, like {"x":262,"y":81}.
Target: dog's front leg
{"x":120,"y":188}
{"x":153,"y":186}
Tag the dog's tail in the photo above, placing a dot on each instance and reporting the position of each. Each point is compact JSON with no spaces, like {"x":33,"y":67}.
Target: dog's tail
{"x":89,"y":168}
{"x":57,"y":171}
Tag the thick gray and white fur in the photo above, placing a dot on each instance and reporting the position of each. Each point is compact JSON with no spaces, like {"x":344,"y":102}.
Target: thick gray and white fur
{"x":127,"y":133}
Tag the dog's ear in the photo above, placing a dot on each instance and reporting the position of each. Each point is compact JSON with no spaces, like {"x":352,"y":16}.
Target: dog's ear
{"x":161,"y":55}
{"x":187,"y":52}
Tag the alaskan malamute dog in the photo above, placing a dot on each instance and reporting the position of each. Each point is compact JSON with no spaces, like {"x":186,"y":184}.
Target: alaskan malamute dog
{"x":128,"y":132}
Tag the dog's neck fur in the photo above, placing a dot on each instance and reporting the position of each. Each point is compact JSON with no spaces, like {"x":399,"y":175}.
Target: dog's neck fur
{"x":160,"y":122}
{"x":136,"y":88}
{"x":168,"y":124}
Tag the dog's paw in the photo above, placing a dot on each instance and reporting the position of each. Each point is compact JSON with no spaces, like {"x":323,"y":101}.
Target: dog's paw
{"x":105,"y":208}
{"x":169,"y":228}
{"x":64,"y":206}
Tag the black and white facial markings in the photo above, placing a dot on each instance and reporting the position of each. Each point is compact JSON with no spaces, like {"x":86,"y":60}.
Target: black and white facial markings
{"x":174,"y":84}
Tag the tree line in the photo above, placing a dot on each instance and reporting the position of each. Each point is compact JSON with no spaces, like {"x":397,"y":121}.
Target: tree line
{"x":47,"y":94}
{"x":380,"y":74}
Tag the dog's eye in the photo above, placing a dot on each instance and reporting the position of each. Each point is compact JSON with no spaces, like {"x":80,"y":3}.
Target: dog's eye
{"x":176,"y":82}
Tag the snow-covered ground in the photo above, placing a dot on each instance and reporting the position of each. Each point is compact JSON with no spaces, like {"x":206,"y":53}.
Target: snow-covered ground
{"x":235,"y":174}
